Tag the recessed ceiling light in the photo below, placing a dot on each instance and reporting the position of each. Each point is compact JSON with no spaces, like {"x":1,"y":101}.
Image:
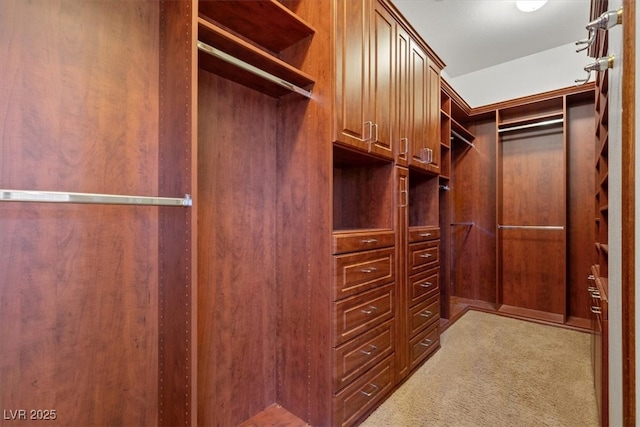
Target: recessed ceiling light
{"x":530,"y":5}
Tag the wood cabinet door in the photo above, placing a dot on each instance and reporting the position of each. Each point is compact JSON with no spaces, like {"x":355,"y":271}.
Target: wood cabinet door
{"x":353,"y":121}
{"x":417,"y":105}
{"x":433,"y":117}
{"x":401,"y":101}
{"x":382,"y":80}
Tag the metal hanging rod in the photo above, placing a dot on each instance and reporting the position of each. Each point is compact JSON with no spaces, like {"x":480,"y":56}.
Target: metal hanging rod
{"x":460,"y":224}
{"x":531,"y":125}
{"x":252,"y":69}
{"x":462,"y":138}
{"x":532,"y":227}
{"x":445,"y":187}
{"x":90,"y":198}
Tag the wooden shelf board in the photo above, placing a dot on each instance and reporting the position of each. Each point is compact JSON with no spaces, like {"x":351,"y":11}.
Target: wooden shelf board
{"x":267,"y":22}
{"x":531,"y":119}
{"x":464,"y":132}
{"x":238,"y":48}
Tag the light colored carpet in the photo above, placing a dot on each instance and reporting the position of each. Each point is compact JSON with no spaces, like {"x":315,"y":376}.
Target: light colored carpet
{"x":497,"y":371}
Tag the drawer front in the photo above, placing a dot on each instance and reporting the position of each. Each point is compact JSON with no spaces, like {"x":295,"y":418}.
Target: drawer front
{"x":420,"y":234}
{"x":358,"y":355}
{"x":362,"y":240}
{"x":424,"y":285}
{"x":424,"y":344}
{"x":358,"y":398}
{"x":354,"y":273}
{"x":357,"y":314}
{"x":424,"y":314}
{"x":423,"y":256}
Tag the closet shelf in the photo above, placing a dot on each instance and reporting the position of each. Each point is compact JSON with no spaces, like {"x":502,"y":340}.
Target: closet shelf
{"x":90,"y":198}
{"x":266,"y":22}
{"x":462,"y":132}
{"x":229,"y":56}
{"x":530,"y":122}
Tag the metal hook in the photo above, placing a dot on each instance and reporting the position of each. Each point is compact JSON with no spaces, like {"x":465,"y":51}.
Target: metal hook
{"x":600,"y":64}
{"x":605,"y":21}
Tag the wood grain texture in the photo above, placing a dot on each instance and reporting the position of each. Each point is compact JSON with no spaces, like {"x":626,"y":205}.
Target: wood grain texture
{"x":177,"y":246}
{"x":78,"y":284}
{"x":473,"y":199}
{"x":402,"y":305}
{"x":423,"y":200}
{"x":236,"y":256}
{"x":304,"y":224}
{"x":580,"y":207}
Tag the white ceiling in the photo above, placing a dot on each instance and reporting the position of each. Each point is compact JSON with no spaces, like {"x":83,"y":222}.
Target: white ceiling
{"x":471,"y":35}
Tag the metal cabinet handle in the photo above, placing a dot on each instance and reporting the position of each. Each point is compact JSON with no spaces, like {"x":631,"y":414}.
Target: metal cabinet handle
{"x":372,"y":392}
{"x":591,"y":277}
{"x":426,"y":284}
{"x":369,"y":270}
{"x":372,"y":308}
{"x":373,"y":349}
{"x":426,"y":343}
{"x":425,"y":234}
{"x":406,"y":145}
{"x":426,"y":313}
{"x":596,"y":309}
{"x":375,"y":125}
{"x":592,"y":289}
{"x":426,"y":256}
{"x":369,"y":241}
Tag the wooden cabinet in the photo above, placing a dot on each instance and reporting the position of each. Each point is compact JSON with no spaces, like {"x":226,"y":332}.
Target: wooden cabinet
{"x":365,"y":50}
{"x":364,"y":323}
{"x":424,"y":110}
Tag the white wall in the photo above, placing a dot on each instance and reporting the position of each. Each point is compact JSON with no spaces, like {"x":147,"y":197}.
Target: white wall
{"x":551,"y":69}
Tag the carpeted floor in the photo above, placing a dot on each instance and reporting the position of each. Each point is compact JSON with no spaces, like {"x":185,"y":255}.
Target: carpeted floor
{"x":497,"y":371}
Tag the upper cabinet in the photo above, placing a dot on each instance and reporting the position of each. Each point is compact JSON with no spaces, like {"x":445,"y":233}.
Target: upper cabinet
{"x":387,"y":99}
{"x":364,"y":76}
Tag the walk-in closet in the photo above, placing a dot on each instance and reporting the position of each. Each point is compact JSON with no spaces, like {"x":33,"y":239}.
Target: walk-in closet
{"x":268,"y":212}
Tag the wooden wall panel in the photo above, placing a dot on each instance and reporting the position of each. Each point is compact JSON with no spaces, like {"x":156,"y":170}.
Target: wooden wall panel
{"x":304,"y":226}
{"x":580,"y":207}
{"x":78,"y":284}
{"x":236,"y":251}
{"x":473,"y":200}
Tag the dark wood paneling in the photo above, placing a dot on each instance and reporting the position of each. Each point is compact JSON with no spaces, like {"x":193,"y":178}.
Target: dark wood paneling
{"x":580,"y":207}
{"x":78,"y":284}
{"x":177,"y":245}
{"x":533,"y":262}
{"x":236,"y":256}
{"x":473,"y":198}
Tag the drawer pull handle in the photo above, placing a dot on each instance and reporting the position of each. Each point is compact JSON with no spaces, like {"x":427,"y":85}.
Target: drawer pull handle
{"x":591,"y":277}
{"x":425,"y":234}
{"x":596,"y":310}
{"x":372,"y":308}
{"x":595,"y":294}
{"x":373,"y":349}
{"x":425,"y":256}
{"x":369,"y":270}
{"x":426,"y":343}
{"x":426,"y":284}
{"x":372,"y":392}
{"x":426,"y":313}
{"x":369,"y":241}
{"x":592,"y":289}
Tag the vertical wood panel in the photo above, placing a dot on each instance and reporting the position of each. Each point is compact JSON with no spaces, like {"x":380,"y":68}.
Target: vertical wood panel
{"x":78,"y":284}
{"x":580,"y":207}
{"x":473,"y":197}
{"x":236,"y":251}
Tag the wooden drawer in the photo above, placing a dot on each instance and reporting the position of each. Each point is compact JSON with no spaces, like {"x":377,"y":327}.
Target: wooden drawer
{"x":424,"y":314}
{"x":423,"y":255}
{"x":354,"y":241}
{"x":355,"y":400}
{"x":357,"y":314}
{"x":423,"y":344}
{"x":424,"y":285}
{"x":420,"y":234}
{"x":354,"y":273}
{"x":358,"y":355}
